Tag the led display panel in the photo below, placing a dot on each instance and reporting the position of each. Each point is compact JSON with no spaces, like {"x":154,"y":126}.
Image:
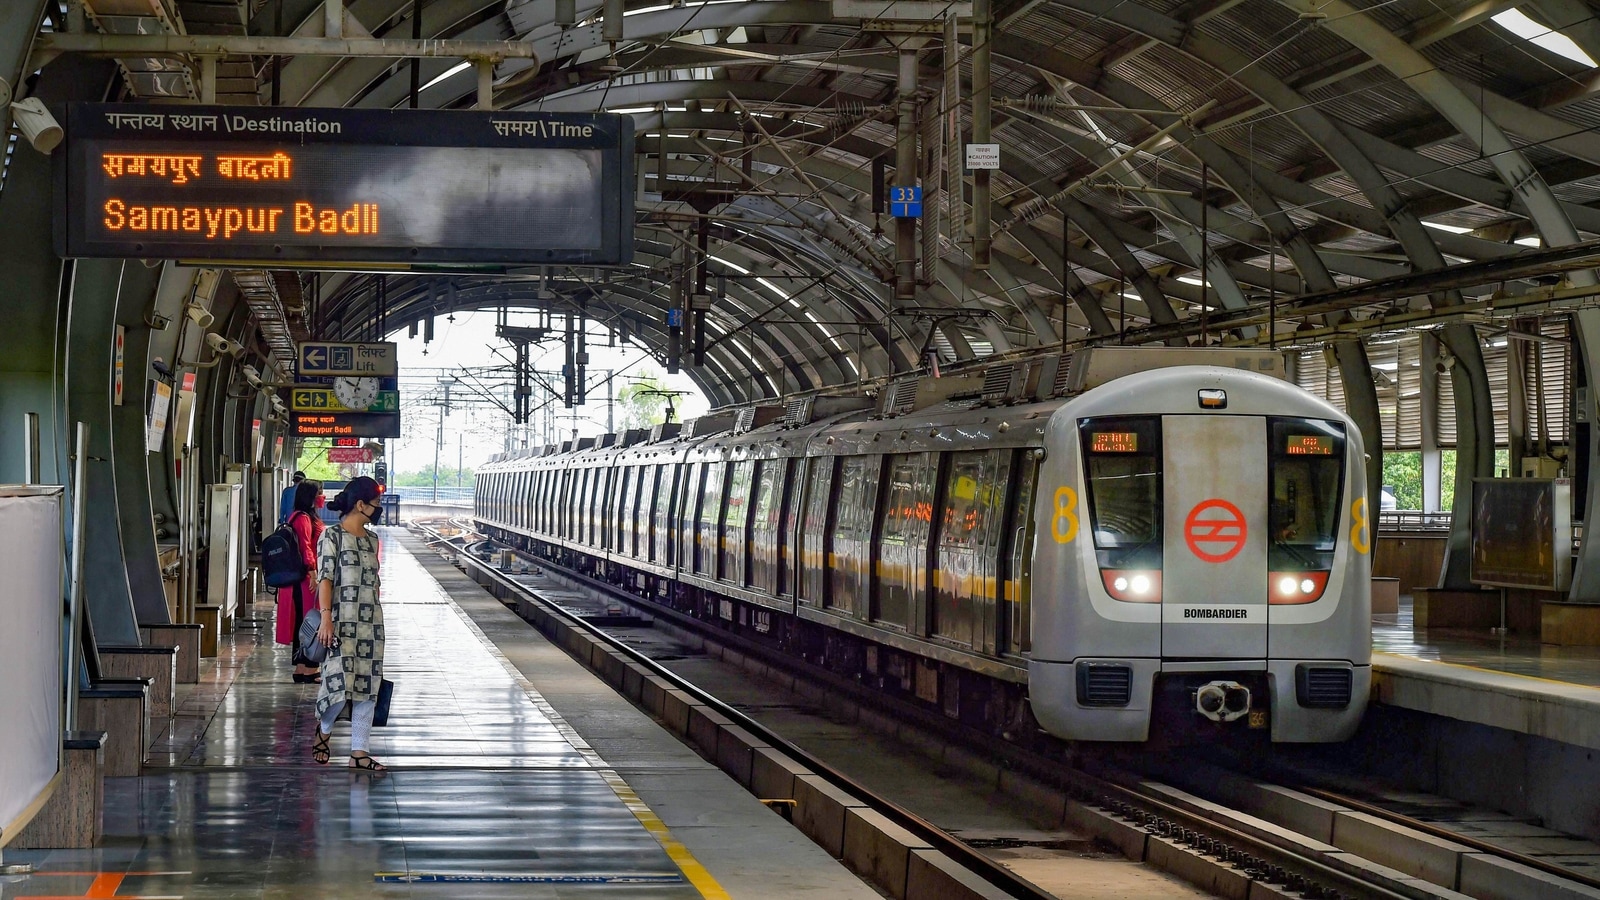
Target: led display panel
{"x":1113,"y":442}
{"x":331,"y":186}
{"x":1308,"y":445}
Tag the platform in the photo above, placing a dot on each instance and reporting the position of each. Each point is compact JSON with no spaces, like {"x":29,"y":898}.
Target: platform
{"x":1515,"y":684}
{"x":515,"y":772}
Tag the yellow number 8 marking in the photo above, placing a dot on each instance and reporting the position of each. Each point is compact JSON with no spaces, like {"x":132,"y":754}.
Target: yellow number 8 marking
{"x":1361,"y":531}
{"x":1064,"y":525}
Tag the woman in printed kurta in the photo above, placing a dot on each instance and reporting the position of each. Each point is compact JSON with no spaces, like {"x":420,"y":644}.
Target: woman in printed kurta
{"x":352,"y":622}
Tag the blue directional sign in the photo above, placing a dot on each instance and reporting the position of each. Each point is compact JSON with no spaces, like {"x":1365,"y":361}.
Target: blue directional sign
{"x":323,"y":358}
{"x":905,"y":202}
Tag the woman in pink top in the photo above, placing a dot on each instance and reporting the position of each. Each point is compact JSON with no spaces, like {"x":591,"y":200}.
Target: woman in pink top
{"x":293,"y":601}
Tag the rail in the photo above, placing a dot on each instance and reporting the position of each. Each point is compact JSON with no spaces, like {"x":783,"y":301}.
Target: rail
{"x":969,"y":858}
{"x":1268,"y":857}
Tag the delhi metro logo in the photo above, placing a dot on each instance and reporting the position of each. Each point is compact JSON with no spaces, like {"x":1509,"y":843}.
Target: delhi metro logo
{"x":1215,"y":530}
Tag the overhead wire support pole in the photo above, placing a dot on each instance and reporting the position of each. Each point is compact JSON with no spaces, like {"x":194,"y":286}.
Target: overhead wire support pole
{"x":982,"y":25}
{"x":416,"y":64}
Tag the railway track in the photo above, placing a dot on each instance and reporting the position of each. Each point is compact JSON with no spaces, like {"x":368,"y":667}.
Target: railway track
{"x":1237,"y":852}
{"x":1131,"y":807}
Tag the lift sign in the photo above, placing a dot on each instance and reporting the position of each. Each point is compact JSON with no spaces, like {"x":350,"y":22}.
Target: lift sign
{"x":344,"y":185}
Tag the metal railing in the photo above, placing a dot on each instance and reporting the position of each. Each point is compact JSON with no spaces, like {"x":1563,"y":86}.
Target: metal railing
{"x":426,"y":494}
{"x":1413,"y":520}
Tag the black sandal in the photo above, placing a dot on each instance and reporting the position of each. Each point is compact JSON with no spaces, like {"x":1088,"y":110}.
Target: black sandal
{"x":367,"y":764}
{"x":320,"y":750}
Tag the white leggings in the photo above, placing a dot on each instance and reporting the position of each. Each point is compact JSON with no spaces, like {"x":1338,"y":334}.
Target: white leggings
{"x":360,"y":722}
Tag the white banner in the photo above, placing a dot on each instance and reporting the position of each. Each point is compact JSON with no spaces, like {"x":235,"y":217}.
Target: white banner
{"x":30,"y":648}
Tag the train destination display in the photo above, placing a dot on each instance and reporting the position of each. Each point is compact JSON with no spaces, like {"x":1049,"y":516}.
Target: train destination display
{"x":1308,"y":445}
{"x":1114,"y":442}
{"x":333,"y":186}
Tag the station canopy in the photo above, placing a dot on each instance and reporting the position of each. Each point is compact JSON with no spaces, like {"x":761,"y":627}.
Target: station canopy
{"x":1264,"y":172}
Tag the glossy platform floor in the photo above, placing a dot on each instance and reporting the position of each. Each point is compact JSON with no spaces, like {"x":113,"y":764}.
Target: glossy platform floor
{"x":492,"y":792}
{"x":1393,"y":633}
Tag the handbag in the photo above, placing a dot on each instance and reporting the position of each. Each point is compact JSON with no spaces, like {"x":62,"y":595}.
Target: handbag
{"x":312,"y":649}
{"x":380,"y":716}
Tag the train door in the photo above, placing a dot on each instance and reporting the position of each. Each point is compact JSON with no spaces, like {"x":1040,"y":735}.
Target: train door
{"x":816,"y":530}
{"x":1214,"y":578}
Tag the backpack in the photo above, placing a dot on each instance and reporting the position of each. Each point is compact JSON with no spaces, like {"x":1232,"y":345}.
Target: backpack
{"x":281,"y":563}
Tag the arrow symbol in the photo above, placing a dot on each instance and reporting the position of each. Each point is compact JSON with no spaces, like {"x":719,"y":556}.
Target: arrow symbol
{"x":316,"y":357}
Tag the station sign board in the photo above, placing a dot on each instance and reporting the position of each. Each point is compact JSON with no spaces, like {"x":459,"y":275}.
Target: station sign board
{"x":319,"y":399}
{"x":330,"y":358}
{"x":341,"y":187}
{"x":344,"y":424}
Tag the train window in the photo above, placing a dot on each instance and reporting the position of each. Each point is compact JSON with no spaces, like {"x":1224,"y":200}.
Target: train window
{"x":605,"y":481}
{"x":1124,"y":487}
{"x":734,"y":542}
{"x":902,"y":565}
{"x":765,"y":503}
{"x":622,"y":510}
{"x":815,"y":544}
{"x":691,"y":485}
{"x":662,"y":498}
{"x":707,"y":513}
{"x":1307,"y":474}
{"x":568,"y":487}
{"x":855,"y":501}
{"x":968,"y":547}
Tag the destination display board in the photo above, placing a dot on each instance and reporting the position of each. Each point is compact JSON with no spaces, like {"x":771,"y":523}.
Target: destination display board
{"x":344,"y":186}
{"x":344,"y":424}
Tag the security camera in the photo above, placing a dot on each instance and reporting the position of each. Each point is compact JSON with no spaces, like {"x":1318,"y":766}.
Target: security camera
{"x":252,"y":377}
{"x":199,"y":315}
{"x":222,"y":345}
{"x":38,"y":126}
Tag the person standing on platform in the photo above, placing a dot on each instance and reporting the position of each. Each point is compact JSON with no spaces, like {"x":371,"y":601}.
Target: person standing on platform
{"x":286,"y":501}
{"x":352,"y":622}
{"x":296,"y":600}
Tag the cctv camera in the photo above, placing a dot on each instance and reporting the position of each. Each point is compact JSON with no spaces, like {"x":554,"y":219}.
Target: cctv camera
{"x":199,"y":315}
{"x":222,"y":345}
{"x":251,"y":376}
{"x":38,"y":126}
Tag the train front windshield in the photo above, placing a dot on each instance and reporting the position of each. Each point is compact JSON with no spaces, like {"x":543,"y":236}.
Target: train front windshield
{"x":1307,"y":472}
{"x":1123,"y":457}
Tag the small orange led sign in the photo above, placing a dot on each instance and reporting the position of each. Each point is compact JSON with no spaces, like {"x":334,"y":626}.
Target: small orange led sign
{"x":1113,"y":442}
{"x":1308,"y":445}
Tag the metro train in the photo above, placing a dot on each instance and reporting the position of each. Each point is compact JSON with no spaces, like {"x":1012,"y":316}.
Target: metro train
{"x":1112,"y":546}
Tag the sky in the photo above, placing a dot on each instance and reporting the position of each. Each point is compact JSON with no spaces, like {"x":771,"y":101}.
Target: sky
{"x":475,"y":429}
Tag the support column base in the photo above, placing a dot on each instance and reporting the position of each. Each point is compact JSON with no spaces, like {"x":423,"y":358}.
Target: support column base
{"x":71,"y":819}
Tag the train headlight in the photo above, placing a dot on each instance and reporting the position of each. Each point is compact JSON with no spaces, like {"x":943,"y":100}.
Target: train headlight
{"x":1288,"y":588}
{"x":1132,"y":586}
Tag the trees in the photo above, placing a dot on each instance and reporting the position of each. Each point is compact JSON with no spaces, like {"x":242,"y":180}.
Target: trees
{"x":314,"y":460}
{"x":640,"y":404}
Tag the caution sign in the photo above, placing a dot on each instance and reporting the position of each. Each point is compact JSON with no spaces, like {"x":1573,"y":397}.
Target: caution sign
{"x":1215,"y":530}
